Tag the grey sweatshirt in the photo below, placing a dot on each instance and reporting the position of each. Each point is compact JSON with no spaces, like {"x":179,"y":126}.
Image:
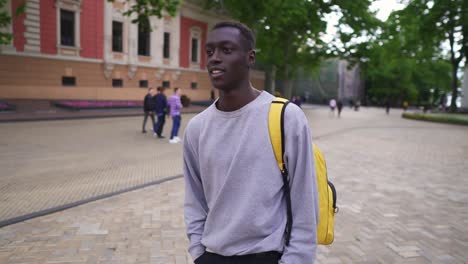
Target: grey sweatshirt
{"x":234,"y":201}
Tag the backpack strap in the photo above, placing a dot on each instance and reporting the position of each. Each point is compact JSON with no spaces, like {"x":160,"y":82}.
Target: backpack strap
{"x":276,"y":130}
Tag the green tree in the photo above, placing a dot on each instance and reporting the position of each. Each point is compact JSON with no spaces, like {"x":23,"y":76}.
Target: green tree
{"x":397,"y":67}
{"x":6,"y":19}
{"x":439,"y":21}
{"x":289,"y":33}
{"x":143,"y":9}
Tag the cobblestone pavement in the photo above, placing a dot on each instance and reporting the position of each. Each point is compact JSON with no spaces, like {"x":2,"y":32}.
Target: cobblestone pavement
{"x":402,"y":191}
{"x":52,"y":163}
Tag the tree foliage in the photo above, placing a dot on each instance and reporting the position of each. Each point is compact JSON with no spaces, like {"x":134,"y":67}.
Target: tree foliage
{"x":6,"y":20}
{"x":141,"y":10}
{"x":398,"y":68}
{"x":289,"y":33}
{"x":439,"y":22}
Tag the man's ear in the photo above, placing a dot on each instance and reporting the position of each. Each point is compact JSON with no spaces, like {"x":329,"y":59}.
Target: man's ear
{"x":251,"y":58}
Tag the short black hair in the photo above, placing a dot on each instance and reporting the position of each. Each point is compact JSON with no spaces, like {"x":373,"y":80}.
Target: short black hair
{"x":246,"y":32}
{"x":176,"y":89}
{"x":160,"y":89}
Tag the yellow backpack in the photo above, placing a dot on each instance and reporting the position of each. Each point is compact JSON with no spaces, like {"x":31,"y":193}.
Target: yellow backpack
{"x":326,"y":190}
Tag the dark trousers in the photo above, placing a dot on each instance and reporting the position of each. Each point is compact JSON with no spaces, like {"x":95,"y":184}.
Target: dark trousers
{"x":175,"y":126}
{"x":151,"y":115}
{"x":160,"y":124}
{"x":260,"y":258}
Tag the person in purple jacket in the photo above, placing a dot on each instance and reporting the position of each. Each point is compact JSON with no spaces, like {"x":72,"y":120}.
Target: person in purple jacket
{"x":175,"y":105}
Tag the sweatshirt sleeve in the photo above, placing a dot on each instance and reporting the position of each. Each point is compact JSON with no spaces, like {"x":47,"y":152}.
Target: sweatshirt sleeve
{"x":195,"y":205}
{"x":304,"y":197}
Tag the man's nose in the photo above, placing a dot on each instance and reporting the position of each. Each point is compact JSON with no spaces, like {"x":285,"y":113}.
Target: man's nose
{"x":214,"y":58}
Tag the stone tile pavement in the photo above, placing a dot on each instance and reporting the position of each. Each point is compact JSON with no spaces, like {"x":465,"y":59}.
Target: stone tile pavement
{"x":402,"y":186}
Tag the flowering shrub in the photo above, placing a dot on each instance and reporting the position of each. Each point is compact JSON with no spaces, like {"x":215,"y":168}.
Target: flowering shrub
{"x":6,"y":107}
{"x":83,"y":104}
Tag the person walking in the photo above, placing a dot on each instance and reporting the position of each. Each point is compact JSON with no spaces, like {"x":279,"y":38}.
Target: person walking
{"x":235,"y":203}
{"x":332,"y":105}
{"x":339,"y":107}
{"x":160,"y":110}
{"x":296,"y":100}
{"x":387,"y":107}
{"x":174,"y":109}
{"x":148,"y":108}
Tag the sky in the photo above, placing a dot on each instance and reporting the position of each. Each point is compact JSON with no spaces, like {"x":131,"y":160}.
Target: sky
{"x":382,"y":7}
{"x":385,"y":7}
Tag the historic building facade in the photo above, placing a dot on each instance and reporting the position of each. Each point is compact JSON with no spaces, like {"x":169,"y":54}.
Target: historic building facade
{"x":87,"y":49}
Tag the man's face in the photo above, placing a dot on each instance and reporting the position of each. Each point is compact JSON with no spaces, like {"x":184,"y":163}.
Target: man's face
{"x":228,"y":60}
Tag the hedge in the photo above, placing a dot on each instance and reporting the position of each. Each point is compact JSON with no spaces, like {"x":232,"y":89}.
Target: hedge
{"x":456,"y":119}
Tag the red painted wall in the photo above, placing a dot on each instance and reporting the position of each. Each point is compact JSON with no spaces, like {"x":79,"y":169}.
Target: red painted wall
{"x":48,"y":16}
{"x":185,"y":41}
{"x":92,"y":29}
{"x":18,"y":26}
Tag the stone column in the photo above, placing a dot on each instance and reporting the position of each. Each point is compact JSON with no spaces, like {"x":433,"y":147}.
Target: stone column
{"x":32,"y":23}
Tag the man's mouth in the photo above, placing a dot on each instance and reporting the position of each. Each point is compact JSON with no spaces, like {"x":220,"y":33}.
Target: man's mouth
{"x":215,"y":73}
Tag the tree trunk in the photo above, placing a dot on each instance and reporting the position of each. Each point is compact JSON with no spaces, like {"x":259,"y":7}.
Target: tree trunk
{"x":273,"y":79}
{"x":455,"y":64}
{"x":453,"y":104}
{"x":287,"y":89}
{"x":287,"y":83}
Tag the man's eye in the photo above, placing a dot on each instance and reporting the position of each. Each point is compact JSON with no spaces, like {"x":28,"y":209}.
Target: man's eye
{"x":227,"y":50}
{"x":209,"y":52}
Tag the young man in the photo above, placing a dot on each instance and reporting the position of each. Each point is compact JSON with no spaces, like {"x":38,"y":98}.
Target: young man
{"x":148,"y":108}
{"x":235,"y":207}
{"x":174,"y":109}
{"x":160,"y":109}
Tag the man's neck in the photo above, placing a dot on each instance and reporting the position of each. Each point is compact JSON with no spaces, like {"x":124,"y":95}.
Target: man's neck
{"x":236,"y":99}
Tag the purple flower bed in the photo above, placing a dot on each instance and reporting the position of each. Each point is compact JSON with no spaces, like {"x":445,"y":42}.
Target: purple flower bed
{"x":82,"y":104}
{"x":6,"y":107}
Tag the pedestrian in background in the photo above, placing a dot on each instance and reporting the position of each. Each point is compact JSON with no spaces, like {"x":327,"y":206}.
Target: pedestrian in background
{"x":174,"y":110}
{"x":297,"y":100}
{"x":332,"y":105}
{"x":148,"y":108}
{"x":340,"y":107}
{"x":160,"y":110}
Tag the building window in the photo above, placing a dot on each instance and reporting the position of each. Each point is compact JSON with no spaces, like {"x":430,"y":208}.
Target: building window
{"x":194,"y":85}
{"x":143,"y":83}
{"x":167,"y":44}
{"x":117,"y":83}
{"x":166,"y":84}
{"x":117,"y":36}
{"x":68,"y":81}
{"x":67,"y":28}
{"x":144,"y":35}
{"x":194,"y":50}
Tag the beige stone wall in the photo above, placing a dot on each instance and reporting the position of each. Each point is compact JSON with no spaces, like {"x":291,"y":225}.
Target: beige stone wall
{"x":38,"y":78}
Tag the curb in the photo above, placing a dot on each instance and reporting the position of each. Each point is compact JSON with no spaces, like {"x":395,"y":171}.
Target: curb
{"x":61,"y":118}
{"x":56,"y":209}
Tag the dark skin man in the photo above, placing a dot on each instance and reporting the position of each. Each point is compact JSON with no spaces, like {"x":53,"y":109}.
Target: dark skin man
{"x":235,"y":202}
{"x":229,"y":61}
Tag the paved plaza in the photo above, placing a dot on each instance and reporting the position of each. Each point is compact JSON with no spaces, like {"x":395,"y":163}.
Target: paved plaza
{"x":402,"y":190}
